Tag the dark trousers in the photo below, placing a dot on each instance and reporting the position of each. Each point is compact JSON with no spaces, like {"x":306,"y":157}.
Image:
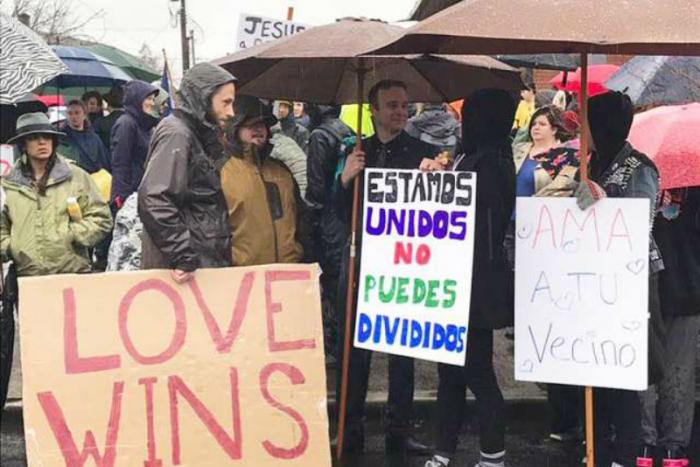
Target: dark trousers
{"x":618,"y":426}
{"x":478,"y":375}
{"x":7,"y":341}
{"x":399,"y":407}
{"x":566,"y":406}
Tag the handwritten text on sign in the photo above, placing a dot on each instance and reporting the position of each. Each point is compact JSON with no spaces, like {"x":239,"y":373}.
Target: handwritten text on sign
{"x":581,"y":292}
{"x":417,"y":253}
{"x":128,"y":369}
{"x":254,"y":30}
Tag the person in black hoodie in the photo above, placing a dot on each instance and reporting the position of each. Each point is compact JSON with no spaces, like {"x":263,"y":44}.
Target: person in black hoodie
{"x":103,"y":125}
{"x":329,"y":232}
{"x":617,"y":170}
{"x":487,"y":118}
{"x":129,"y":140}
{"x":667,"y":408}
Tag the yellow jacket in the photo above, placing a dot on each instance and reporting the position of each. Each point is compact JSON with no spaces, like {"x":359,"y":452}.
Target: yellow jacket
{"x":261,"y":197}
{"x":523,"y":114}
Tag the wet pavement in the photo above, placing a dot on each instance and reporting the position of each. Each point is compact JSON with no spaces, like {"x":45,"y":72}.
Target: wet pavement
{"x":525,"y":441}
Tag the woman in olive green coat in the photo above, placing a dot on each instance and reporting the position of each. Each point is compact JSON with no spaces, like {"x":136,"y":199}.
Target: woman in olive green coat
{"x":53,"y":212}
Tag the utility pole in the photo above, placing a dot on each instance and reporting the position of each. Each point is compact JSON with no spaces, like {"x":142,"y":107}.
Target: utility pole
{"x":191,"y":38}
{"x":183,"y":37}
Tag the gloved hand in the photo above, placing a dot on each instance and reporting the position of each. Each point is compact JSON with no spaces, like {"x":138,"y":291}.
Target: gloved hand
{"x":588,"y":193}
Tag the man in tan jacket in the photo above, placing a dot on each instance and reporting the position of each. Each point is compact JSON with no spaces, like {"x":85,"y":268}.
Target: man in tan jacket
{"x":263,"y":200}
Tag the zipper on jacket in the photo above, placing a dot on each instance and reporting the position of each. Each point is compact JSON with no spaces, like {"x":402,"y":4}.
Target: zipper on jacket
{"x":272,"y":220}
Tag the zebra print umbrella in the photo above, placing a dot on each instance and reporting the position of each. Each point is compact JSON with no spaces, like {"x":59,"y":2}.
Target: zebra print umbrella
{"x":27,"y":62}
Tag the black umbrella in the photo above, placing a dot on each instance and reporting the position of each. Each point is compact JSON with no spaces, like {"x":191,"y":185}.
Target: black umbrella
{"x":562,"y":62}
{"x":659,"y":80}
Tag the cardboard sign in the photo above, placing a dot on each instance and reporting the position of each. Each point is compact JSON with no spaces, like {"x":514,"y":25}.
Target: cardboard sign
{"x":581,"y":292}
{"x":254,"y":30}
{"x":128,"y":369}
{"x":417,"y":254}
{"x":7,"y":159}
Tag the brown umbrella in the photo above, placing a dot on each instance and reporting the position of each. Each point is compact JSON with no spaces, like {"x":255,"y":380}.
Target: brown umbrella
{"x":646,"y":27}
{"x":325,"y":65}
{"x":321,"y":66}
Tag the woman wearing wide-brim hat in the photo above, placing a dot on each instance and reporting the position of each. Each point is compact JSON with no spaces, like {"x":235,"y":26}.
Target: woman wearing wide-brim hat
{"x":53,"y":211}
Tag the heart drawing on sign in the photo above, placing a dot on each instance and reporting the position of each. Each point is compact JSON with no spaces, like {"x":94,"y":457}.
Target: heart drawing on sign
{"x":525,"y":231}
{"x":635,"y":266}
{"x":571,"y":246}
{"x":565,"y":302}
{"x":527,"y":366}
{"x":631,"y":325}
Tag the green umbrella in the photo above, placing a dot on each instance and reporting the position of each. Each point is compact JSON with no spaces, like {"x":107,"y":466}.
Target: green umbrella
{"x":130,"y":63}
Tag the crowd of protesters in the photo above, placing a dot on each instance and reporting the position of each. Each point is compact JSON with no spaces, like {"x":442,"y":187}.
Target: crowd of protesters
{"x":223,"y":181}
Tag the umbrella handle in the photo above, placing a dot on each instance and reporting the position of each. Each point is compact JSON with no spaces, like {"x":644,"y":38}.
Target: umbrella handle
{"x":350,"y":293}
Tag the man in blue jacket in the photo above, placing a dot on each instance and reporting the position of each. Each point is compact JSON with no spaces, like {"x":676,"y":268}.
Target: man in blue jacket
{"x":130,"y":138}
{"x":81,"y":144}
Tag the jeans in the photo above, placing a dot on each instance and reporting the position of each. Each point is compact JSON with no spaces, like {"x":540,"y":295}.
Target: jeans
{"x":667,"y":407}
{"x":479,"y":376}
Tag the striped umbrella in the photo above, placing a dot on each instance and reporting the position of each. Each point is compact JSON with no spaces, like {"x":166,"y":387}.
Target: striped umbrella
{"x":27,"y":62}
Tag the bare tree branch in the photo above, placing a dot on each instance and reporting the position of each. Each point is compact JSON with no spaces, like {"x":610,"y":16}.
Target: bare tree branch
{"x":56,"y":20}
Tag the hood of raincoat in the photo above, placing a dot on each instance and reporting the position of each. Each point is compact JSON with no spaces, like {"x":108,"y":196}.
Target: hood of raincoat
{"x":487,"y":118}
{"x":135,"y":93}
{"x":610,"y":118}
{"x":196,"y":89}
{"x":441,"y":126}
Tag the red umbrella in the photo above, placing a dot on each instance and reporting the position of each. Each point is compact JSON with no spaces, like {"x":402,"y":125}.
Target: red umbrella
{"x":597,"y":76}
{"x":52,"y":99}
{"x":669,"y":135}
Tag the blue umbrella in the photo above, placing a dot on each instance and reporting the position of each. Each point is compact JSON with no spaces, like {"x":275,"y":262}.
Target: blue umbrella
{"x":86,"y":69}
{"x":659,"y":80}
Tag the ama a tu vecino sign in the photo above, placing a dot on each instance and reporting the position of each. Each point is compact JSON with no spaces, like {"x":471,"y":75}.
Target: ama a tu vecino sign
{"x":132,"y":369}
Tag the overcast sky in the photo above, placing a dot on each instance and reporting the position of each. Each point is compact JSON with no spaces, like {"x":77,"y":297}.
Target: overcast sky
{"x":128,"y":24}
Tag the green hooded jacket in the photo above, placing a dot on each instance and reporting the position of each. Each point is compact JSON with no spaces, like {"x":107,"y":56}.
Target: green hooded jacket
{"x":36,"y":231}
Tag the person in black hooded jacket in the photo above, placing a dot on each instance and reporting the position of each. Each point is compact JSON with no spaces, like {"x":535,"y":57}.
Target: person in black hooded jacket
{"x":487,"y":118}
{"x":180,"y":201}
{"x":617,"y":170}
{"x":129,"y":140}
{"x":329,"y":232}
{"x":667,"y":407}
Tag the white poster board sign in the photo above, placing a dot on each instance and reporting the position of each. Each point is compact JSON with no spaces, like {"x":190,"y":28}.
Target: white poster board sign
{"x":417,"y":255}
{"x":254,"y":30}
{"x":581,"y":292}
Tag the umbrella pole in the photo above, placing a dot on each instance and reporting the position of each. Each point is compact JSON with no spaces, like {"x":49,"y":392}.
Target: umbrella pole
{"x":585,"y":131}
{"x":350,"y":294}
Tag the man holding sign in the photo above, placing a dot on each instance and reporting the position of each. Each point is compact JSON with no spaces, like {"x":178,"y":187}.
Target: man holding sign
{"x":389,"y":147}
{"x":619,"y":171}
